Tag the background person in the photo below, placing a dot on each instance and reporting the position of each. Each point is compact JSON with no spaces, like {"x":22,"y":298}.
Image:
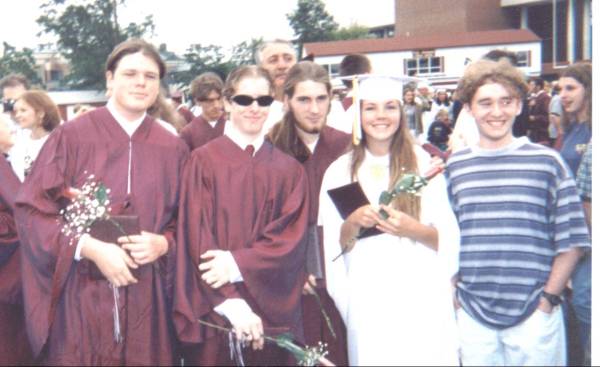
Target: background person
{"x":37,"y":115}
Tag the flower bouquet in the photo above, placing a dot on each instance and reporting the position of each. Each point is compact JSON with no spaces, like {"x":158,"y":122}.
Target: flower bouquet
{"x":89,"y":205}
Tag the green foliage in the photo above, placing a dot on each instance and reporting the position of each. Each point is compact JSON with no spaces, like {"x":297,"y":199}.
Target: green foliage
{"x":201,"y":59}
{"x":311,"y":22}
{"x":87,"y":32}
{"x":243,"y":53}
{"x":19,"y":62}
{"x":353,"y":32}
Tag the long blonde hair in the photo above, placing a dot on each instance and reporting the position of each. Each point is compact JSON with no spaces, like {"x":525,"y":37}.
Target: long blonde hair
{"x":402,"y":160}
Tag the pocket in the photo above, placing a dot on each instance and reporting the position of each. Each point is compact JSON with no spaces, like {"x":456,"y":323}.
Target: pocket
{"x":544,"y":314}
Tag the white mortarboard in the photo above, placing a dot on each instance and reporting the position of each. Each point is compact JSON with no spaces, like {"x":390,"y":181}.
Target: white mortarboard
{"x":374,"y":87}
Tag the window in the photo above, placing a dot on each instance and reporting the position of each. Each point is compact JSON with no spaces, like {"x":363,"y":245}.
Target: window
{"x":523,"y":58}
{"x":424,"y":65}
{"x":55,"y":75}
{"x":332,"y":69}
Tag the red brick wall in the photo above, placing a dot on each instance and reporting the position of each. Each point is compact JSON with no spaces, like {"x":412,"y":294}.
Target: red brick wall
{"x":424,"y":17}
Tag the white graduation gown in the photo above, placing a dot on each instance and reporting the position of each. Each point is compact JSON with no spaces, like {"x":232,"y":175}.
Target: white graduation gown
{"x":394,"y":294}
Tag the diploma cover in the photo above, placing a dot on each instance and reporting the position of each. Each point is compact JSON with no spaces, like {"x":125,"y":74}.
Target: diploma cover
{"x":347,"y":199}
{"x":107,"y":230}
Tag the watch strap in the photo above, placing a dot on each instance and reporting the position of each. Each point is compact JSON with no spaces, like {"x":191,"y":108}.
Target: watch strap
{"x":554,"y":299}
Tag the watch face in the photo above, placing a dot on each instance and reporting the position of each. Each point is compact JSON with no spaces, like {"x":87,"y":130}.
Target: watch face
{"x":552,"y":298}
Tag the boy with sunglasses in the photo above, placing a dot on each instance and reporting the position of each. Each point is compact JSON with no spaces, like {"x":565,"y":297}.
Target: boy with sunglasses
{"x":241,"y":248}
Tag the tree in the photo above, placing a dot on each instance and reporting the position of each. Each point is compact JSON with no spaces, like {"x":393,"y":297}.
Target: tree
{"x":243,"y":53}
{"x":19,"y":62}
{"x":201,"y":59}
{"x":311,"y":22}
{"x":87,"y":32}
{"x":353,"y":32}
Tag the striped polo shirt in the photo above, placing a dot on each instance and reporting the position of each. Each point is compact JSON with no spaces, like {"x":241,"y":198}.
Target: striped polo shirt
{"x":517,"y":208}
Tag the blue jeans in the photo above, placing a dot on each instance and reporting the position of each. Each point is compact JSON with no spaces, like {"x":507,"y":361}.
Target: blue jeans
{"x":581,"y":280}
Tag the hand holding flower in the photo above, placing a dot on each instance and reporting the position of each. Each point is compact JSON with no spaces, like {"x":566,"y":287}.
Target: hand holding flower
{"x":146,"y":247}
{"x":397,"y":222}
{"x":250,"y":329}
{"x":401,"y":224}
{"x":364,"y":217}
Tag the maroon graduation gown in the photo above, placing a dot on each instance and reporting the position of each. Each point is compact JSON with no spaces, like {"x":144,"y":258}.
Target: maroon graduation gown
{"x":14,"y":347}
{"x":331,"y":145}
{"x":185,"y":113}
{"x":257,"y":208}
{"x":69,"y":312}
{"x":199,"y":132}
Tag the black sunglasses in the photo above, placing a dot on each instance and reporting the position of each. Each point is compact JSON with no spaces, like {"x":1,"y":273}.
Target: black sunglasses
{"x":244,"y":100}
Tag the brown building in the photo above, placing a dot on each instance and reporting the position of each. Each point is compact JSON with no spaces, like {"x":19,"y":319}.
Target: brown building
{"x":428,"y":17}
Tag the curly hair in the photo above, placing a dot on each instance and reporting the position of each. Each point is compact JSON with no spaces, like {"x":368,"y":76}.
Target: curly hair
{"x":206,"y":83}
{"x":486,"y":71}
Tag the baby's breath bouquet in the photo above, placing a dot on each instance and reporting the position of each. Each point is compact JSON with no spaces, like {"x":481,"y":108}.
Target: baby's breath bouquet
{"x":89,"y":204}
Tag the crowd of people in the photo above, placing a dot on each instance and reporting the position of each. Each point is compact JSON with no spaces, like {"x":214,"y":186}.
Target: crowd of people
{"x":396,"y":225}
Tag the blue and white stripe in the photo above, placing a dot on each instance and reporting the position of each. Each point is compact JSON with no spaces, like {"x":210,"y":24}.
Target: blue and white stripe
{"x":517,"y":208}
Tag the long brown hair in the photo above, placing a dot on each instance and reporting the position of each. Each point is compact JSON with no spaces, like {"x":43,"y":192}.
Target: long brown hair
{"x":402,"y":160}
{"x":41,"y":102}
{"x":582,"y":72}
{"x":284,"y":134}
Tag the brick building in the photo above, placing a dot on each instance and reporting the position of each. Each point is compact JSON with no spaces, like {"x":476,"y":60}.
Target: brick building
{"x":435,"y":39}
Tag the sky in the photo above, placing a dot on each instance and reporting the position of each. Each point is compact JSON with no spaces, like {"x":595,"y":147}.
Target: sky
{"x":180,"y":23}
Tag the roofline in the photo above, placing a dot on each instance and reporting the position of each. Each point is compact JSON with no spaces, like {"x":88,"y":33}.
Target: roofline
{"x":404,"y":43}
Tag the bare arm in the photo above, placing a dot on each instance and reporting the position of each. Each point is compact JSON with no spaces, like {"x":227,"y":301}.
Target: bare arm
{"x":587,"y":210}
{"x":563,"y":266}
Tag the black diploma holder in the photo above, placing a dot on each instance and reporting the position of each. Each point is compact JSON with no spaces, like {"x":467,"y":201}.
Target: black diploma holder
{"x":109,"y":230}
{"x":347,"y":199}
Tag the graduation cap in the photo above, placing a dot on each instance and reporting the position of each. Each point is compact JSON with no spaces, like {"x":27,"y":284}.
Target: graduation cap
{"x":374,"y":87}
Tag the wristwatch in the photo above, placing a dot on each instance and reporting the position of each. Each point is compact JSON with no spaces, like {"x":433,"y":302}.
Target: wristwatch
{"x":552,"y":298}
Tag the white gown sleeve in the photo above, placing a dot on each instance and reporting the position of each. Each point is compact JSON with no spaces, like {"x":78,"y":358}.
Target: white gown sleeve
{"x":330,"y":219}
{"x":437,"y":212}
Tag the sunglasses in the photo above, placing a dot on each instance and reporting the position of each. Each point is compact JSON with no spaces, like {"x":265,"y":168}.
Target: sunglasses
{"x":244,"y":100}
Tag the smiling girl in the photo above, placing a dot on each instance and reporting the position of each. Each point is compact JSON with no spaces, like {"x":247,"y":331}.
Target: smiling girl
{"x":38,"y":115}
{"x":392,"y":289}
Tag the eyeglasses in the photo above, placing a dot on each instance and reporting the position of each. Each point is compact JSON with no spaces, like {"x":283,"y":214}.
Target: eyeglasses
{"x":8,"y":104}
{"x":244,"y":100}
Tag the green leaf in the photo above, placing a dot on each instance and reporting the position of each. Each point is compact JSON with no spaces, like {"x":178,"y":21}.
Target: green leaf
{"x":385,"y":198}
{"x":101,"y":193}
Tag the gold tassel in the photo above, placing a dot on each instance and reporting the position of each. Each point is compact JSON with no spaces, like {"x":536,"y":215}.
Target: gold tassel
{"x":356,"y":130}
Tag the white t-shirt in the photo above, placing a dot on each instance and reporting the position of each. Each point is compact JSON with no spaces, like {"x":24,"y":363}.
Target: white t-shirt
{"x":24,"y":152}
